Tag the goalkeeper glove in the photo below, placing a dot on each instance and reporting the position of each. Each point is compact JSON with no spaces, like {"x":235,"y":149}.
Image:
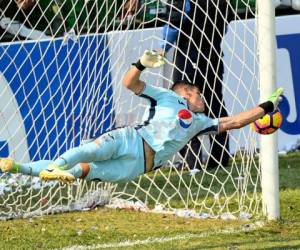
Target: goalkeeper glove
{"x":150,"y":59}
{"x":273,"y":101}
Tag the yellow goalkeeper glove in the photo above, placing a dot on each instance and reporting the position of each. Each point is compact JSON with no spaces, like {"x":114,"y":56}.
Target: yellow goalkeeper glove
{"x":275,"y":97}
{"x":273,"y":101}
{"x":150,"y":59}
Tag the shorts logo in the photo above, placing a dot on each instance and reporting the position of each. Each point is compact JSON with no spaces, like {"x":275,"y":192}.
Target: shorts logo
{"x":185,"y":118}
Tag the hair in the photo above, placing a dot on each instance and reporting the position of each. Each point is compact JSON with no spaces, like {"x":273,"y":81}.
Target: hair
{"x":182,"y":83}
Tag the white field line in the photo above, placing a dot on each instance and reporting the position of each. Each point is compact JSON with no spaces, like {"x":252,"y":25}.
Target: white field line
{"x":162,"y":239}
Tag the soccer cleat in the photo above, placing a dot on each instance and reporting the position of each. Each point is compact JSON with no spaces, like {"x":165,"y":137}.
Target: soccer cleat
{"x":6,"y":164}
{"x":53,"y":172}
{"x":275,"y":97}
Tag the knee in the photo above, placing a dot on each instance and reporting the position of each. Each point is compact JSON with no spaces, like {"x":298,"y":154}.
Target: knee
{"x":85,"y":170}
{"x":88,"y":149}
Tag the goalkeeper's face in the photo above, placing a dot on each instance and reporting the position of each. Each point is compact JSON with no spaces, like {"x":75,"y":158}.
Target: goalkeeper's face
{"x":194,"y":99}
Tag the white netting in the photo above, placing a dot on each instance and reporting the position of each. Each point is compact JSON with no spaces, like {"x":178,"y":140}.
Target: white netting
{"x":61,"y":65}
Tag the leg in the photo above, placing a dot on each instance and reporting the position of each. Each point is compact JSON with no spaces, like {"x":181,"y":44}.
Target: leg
{"x":119,"y":170}
{"x":113,"y":170}
{"x":126,"y":164}
{"x":115,"y":156}
{"x":80,"y":170}
{"x":32,"y":168}
{"x":35,"y":169}
{"x":101,"y":149}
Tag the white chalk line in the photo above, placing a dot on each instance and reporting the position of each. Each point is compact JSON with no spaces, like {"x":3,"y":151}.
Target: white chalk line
{"x":153,"y":240}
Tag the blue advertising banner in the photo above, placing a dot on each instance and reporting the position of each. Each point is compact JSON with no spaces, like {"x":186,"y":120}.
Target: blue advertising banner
{"x":290,"y":43}
{"x":242,"y":75}
{"x":62,"y":90}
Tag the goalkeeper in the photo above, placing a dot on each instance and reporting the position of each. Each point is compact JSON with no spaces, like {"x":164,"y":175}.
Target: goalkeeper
{"x":173,"y":118}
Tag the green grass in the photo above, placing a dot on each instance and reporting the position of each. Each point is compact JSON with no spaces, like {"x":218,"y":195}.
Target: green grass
{"x":103,"y":226}
{"x":219,"y":181}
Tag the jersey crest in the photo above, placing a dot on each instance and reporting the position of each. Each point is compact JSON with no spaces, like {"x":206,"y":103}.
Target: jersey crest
{"x":185,"y":118}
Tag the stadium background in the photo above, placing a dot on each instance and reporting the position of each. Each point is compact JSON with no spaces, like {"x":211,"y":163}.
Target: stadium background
{"x":287,"y":35}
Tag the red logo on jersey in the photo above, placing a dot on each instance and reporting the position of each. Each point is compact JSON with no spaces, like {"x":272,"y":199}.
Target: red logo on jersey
{"x":185,"y":118}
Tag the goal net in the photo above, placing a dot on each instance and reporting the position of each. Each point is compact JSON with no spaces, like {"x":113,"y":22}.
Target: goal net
{"x":61,"y":66}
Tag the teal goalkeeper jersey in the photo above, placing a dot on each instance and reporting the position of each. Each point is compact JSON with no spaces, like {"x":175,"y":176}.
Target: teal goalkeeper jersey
{"x":169,"y":124}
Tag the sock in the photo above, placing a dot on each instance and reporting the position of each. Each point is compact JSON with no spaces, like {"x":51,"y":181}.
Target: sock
{"x":32,"y":168}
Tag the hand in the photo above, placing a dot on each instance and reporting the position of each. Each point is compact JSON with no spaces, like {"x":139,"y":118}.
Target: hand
{"x":25,"y":4}
{"x":152,"y":59}
{"x":275,"y":98}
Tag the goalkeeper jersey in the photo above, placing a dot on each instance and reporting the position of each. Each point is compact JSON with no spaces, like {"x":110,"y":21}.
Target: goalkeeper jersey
{"x":169,"y":124}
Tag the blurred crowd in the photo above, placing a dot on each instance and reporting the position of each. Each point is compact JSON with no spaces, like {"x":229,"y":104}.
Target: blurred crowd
{"x":33,"y":19}
{"x":39,"y":19}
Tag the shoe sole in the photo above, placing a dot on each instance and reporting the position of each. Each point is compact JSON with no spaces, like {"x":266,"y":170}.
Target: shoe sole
{"x":7,"y":165}
{"x":64,"y":179}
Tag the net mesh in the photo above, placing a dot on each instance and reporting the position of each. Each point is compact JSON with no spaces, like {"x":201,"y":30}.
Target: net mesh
{"x":61,"y":66}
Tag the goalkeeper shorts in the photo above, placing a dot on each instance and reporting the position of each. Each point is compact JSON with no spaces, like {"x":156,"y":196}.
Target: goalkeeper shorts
{"x":127,"y":161}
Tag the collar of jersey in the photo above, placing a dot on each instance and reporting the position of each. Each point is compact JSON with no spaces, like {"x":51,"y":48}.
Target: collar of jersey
{"x":186,"y":103}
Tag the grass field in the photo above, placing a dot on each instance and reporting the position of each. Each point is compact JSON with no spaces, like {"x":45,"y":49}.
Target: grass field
{"x":115,"y":229}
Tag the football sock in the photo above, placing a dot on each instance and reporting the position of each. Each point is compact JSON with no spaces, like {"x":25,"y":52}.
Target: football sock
{"x":32,"y":168}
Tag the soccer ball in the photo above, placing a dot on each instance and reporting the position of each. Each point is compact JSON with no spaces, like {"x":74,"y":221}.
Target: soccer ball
{"x":268,"y":124}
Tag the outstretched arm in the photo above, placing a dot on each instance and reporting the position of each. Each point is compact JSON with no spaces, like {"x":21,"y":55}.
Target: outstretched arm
{"x":240,"y":120}
{"x":132,"y":80}
{"x":244,"y":118}
{"x":150,"y":59}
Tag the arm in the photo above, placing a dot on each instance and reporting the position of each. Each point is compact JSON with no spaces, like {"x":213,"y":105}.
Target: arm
{"x":240,"y":120}
{"x":131,"y":80}
{"x":244,"y":118}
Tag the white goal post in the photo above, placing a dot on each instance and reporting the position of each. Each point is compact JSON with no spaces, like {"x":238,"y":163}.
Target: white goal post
{"x":267,"y":77}
{"x":61,"y":66}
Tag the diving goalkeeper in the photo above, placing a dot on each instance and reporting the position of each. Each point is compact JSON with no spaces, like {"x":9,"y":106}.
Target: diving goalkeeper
{"x":173,"y":118}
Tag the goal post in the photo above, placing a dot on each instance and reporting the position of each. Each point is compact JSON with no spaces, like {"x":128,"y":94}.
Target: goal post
{"x":61,"y":68}
{"x":267,"y":78}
